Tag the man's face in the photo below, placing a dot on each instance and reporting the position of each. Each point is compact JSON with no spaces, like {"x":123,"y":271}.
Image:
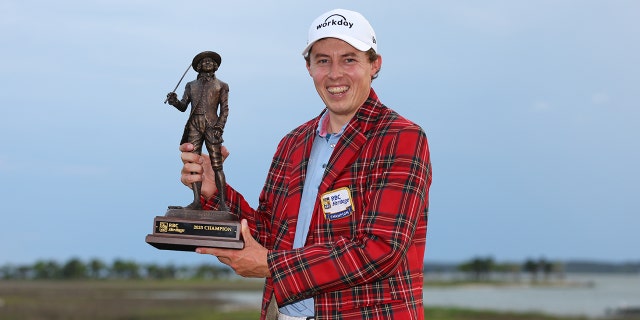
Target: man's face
{"x":207,"y":65}
{"x":342,"y":75}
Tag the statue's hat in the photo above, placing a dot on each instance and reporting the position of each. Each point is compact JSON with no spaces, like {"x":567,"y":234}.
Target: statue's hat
{"x":206,"y":54}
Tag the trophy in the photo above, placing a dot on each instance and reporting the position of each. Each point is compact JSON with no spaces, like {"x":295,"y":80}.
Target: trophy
{"x":189,"y":227}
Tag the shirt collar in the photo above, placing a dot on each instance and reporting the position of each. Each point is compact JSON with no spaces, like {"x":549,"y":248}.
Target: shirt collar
{"x":323,"y":124}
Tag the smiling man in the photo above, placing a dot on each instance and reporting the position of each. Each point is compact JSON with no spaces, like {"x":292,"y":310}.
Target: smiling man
{"x":340,"y":229}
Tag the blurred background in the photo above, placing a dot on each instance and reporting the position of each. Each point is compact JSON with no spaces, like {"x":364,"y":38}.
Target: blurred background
{"x":531,"y":109}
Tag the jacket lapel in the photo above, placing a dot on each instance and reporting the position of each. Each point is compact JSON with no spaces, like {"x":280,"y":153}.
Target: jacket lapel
{"x":349,"y":145}
{"x":298,"y":159}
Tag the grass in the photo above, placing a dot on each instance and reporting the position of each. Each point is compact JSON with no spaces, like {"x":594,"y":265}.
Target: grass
{"x":439,"y":313}
{"x":132,"y":300}
{"x":143,"y":300}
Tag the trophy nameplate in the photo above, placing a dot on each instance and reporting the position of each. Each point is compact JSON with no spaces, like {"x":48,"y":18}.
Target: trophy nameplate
{"x":186,"y":230}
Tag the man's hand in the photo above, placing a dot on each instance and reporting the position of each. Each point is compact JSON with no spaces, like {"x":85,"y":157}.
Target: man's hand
{"x":198,"y":168}
{"x":250,"y":262}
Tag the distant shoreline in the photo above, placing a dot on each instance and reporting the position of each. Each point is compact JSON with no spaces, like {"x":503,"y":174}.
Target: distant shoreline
{"x":185,"y":299}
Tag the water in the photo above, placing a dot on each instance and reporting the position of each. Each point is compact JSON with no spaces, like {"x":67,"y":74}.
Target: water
{"x":596,"y":295}
{"x":590,"y":296}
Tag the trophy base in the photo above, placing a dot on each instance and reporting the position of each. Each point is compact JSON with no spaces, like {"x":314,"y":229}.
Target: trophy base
{"x":186,"y":230}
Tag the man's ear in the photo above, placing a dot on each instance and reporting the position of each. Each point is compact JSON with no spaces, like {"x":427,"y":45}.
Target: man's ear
{"x":378,"y":64}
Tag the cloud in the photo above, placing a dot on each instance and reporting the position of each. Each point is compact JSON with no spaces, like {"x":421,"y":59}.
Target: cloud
{"x":600,"y":98}
{"x":483,"y":17}
{"x":541,"y":106}
{"x":82,"y":170}
{"x":10,"y":14}
{"x":3,"y":163}
{"x":33,"y":167}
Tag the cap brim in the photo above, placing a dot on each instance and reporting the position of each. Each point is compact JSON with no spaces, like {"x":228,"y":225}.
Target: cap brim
{"x":361,"y":46}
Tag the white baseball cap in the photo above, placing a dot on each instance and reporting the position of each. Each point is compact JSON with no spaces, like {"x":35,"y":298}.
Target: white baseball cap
{"x":346,"y":25}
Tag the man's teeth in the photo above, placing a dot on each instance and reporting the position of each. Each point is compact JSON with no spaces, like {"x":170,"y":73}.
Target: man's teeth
{"x":336,"y":90}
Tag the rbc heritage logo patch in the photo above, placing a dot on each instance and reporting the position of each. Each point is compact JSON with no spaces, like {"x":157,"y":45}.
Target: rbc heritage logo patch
{"x":337,"y":204}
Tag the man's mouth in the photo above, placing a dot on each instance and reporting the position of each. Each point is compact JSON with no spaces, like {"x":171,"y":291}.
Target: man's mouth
{"x":338,"y":90}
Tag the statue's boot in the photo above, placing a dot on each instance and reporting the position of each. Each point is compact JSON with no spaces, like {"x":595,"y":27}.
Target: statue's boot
{"x":221,"y":184}
{"x":196,"y":204}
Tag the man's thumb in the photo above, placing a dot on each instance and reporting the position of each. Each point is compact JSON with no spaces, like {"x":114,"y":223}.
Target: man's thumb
{"x":246,"y":232}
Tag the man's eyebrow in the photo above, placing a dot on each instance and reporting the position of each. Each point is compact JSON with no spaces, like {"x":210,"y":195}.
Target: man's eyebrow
{"x":344,"y":55}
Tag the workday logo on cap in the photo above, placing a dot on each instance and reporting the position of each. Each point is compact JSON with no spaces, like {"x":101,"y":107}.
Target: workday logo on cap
{"x":346,"y":25}
{"x":331,"y":21}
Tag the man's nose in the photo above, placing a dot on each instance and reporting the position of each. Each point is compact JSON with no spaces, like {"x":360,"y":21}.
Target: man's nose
{"x":335,"y":71}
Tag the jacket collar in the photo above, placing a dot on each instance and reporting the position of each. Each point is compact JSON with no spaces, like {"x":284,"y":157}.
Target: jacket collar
{"x":354,"y":137}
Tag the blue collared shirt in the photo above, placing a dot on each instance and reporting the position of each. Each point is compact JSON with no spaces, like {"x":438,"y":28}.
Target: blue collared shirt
{"x":323,"y":145}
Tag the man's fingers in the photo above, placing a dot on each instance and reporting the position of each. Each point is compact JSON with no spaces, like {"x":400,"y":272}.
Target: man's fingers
{"x":188,"y":179}
{"x":191,"y":172}
{"x":192,"y":168}
{"x":225,"y":152}
{"x":189,"y":157}
{"x":186,"y":147}
{"x":246,"y":232}
{"x":205,"y":250}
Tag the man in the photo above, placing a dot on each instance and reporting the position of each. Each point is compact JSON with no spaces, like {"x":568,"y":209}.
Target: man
{"x":205,"y":94}
{"x":339,"y":232}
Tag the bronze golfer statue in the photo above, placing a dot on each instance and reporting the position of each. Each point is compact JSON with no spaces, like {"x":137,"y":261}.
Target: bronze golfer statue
{"x":207,"y":95}
{"x":189,"y":227}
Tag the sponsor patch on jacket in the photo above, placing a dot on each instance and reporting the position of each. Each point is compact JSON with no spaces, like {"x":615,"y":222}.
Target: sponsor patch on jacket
{"x":337,"y":204}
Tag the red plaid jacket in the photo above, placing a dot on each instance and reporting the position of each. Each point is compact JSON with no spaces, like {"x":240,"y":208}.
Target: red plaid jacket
{"x":367,"y":265}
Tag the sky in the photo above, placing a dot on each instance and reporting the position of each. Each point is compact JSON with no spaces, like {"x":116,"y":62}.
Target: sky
{"x":530,"y":107}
